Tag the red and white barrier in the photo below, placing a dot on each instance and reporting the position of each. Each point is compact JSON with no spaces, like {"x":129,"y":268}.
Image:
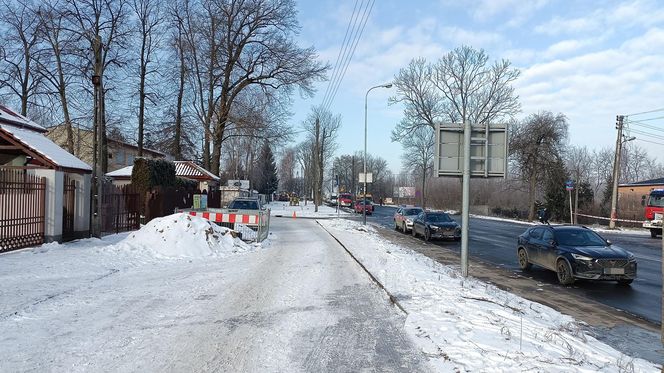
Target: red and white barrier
{"x":227,"y":217}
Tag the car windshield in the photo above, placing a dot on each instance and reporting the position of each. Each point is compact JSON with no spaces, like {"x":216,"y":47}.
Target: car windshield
{"x":656,"y":200}
{"x":412,"y":211}
{"x":578,"y":237}
{"x":244,"y":205}
{"x":438,"y":218}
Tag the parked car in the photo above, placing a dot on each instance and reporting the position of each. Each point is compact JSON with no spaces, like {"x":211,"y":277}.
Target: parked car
{"x":360,"y":206}
{"x":436,"y":225}
{"x":404,"y":216}
{"x":246,"y":203}
{"x":575,"y":252}
{"x":346,"y":200}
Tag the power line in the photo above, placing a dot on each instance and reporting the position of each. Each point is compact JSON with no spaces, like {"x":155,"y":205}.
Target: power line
{"x":646,"y":112}
{"x":365,"y":16}
{"x":648,"y":141}
{"x":644,"y":120}
{"x":647,"y":126}
{"x":659,"y":137}
{"x":343,"y":48}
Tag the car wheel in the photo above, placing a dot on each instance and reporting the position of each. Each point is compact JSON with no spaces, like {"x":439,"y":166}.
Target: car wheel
{"x":564,"y":272}
{"x":524,"y":264}
{"x":653,"y":233}
{"x":625,"y":282}
{"x":412,"y":231}
{"x":427,"y":234}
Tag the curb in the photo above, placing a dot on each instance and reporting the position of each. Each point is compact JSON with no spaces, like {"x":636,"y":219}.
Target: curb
{"x":392,"y":298}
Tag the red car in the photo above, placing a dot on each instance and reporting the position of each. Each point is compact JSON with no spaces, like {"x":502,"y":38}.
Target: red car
{"x":346,"y":200}
{"x":359,"y":207}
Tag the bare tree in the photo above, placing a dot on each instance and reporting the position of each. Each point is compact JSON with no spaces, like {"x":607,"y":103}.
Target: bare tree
{"x":601,"y":164}
{"x":322,"y":127}
{"x":416,"y":90}
{"x":150,"y":20}
{"x":287,"y":170}
{"x":460,"y":86}
{"x":257,"y":50}
{"x":19,"y":40}
{"x":104,"y":20}
{"x":418,"y":155}
{"x":536,"y":143}
{"x":55,"y":67}
{"x":578,"y":162}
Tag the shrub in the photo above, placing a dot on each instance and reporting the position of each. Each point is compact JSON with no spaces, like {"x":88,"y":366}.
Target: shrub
{"x":149,"y":173}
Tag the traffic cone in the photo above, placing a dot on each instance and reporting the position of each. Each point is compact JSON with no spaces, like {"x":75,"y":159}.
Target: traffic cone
{"x":294,"y":216}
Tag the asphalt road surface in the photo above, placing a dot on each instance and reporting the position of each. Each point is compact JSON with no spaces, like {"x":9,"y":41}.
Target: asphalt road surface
{"x":494,"y":242}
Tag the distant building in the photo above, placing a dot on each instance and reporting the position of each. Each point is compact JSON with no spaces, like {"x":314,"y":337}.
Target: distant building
{"x":120,"y":154}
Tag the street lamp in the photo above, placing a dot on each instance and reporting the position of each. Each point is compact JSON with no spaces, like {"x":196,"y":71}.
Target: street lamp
{"x":364,"y":207}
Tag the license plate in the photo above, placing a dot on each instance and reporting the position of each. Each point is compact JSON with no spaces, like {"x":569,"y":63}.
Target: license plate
{"x":614,"y":271}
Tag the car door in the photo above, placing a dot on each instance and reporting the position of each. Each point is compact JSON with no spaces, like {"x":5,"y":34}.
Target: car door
{"x":418,"y":224}
{"x":547,"y":249}
{"x":532,"y":244}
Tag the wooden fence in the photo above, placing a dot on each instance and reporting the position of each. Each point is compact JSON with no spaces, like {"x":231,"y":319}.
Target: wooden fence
{"x":22,"y":209}
{"x":120,"y":208}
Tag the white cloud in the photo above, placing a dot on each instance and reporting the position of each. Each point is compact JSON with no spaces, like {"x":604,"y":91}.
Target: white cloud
{"x":519,"y":11}
{"x":477,"y":39}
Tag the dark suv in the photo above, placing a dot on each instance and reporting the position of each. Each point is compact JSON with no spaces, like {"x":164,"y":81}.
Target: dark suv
{"x":575,"y":252}
{"x":245,"y":204}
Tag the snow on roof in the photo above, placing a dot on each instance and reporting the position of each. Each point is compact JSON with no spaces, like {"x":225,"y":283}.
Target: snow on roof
{"x":10,"y":117}
{"x":186,"y":169}
{"x":42,"y":145}
{"x":123,"y":172}
{"x":191,"y":169}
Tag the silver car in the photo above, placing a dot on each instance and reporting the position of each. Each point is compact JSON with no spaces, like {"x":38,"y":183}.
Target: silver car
{"x":403,"y":218}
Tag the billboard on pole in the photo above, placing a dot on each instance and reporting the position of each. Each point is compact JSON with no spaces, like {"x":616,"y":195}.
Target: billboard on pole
{"x":488,"y":150}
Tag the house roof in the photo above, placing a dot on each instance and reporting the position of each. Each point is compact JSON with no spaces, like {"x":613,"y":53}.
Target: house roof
{"x":186,"y":169}
{"x":7,"y":116}
{"x":33,"y":140}
{"x":124,"y":172}
{"x":659,"y":181}
{"x":192,"y":170}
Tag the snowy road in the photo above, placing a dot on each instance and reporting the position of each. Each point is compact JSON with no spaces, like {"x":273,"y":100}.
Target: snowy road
{"x":299,"y":304}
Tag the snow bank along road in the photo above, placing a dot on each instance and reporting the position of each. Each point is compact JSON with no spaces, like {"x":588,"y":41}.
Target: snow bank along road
{"x":299,"y":303}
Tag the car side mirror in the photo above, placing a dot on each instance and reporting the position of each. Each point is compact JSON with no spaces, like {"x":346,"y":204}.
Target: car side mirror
{"x":552,"y":243}
{"x":608,"y":242}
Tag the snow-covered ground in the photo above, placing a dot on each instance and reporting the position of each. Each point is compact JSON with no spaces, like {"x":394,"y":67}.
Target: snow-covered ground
{"x":283,"y":209}
{"x":467,"y":325}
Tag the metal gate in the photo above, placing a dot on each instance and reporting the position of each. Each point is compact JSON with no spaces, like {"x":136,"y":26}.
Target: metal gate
{"x":68,"y":209}
{"x":22,"y":213}
{"x":120,"y":208}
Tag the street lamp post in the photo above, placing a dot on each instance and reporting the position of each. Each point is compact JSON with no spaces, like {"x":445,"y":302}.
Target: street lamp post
{"x":366,"y":96}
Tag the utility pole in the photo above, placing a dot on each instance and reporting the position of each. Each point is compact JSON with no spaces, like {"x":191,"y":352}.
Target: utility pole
{"x":97,"y":140}
{"x":465,"y":198}
{"x":317,"y":162}
{"x":616,"y":171}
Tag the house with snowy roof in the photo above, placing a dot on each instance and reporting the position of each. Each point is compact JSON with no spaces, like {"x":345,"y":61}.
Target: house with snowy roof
{"x":44,"y":190}
{"x":184,"y":169}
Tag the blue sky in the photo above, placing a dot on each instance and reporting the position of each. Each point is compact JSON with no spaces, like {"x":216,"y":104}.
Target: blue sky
{"x":589,"y":60}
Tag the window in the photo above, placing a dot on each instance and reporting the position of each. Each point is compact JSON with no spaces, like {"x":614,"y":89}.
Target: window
{"x":547,"y":236}
{"x":536,"y":233}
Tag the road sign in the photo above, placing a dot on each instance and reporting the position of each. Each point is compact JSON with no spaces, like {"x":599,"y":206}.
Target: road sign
{"x":369,"y":177}
{"x":569,"y":185}
{"x":488,"y":150}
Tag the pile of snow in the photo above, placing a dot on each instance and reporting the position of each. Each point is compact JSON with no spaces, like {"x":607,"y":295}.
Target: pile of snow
{"x":464,"y":324}
{"x":183,"y":236}
{"x":283,"y":209}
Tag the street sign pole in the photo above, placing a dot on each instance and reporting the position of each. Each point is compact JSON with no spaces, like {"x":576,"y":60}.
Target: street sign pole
{"x":465,"y":213}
